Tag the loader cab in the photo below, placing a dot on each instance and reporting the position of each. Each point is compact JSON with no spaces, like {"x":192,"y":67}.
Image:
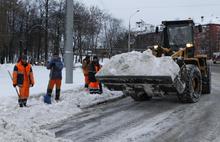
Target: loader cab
{"x":178,"y":34}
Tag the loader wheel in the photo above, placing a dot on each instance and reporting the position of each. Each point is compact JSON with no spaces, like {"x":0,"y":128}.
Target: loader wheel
{"x":140,"y":96}
{"x":193,"y":88}
{"x":206,"y":83}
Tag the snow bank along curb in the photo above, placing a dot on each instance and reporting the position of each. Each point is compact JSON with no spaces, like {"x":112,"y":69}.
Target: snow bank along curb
{"x":89,"y":100}
{"x":103,"y":101}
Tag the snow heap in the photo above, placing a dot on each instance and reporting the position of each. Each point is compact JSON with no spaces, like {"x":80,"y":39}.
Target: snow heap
{"x":140,"y":64}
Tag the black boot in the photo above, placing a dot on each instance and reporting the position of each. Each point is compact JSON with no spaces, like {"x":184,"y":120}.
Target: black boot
{"x":100,"y":88}
{"x":20,"y":102}
{"x":24,"y":102}
{"x":57,"y":97}
{"x":91,"y":91}
{"x":86,"y":86}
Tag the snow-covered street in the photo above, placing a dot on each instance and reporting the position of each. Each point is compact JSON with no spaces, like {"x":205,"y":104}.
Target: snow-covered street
{"x":77,"y":118}
{"x":159,"y":120}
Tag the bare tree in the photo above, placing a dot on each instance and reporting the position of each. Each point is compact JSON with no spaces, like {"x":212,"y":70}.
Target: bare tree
{"x":36,"y":27}
{"x":113,"y":31}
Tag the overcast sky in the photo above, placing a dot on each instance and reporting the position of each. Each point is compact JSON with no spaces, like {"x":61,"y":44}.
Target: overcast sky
{"x":155,"y":11}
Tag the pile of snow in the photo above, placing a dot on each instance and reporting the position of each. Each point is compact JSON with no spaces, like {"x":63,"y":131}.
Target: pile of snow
{"x":140,"y":64}
{"x":26,"y":124}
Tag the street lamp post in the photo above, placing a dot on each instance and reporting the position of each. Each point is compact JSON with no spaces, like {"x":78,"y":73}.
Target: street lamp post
{"x":129,"y":31}
{"x":68,"y":57}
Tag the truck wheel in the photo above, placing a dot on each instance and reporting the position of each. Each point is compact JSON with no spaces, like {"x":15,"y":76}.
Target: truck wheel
{"x":140,"y":96}
{"x":193,"y":88}
{"x":206,"y":82}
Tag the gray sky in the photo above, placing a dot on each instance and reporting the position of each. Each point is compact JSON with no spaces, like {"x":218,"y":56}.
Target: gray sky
{"x":155,"y":11}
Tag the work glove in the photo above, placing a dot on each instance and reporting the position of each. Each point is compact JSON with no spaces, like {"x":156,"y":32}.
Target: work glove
{"x":14,"y":85}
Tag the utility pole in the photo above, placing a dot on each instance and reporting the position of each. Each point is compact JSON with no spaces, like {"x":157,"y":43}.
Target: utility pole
{"x":46,"y":31}
{"x":129,"y":31}
{"x":68,"y":55}
{"x":129,"y":36}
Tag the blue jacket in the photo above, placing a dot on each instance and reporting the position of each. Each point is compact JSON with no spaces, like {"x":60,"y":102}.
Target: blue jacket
{"x":55,"y":65}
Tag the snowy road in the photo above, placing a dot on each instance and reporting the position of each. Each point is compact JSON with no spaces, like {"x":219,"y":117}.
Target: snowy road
{"x":160,"y":120}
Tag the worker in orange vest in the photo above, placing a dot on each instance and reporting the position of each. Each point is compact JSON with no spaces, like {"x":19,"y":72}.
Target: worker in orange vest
{"x":23,"y":78}
{"x":95,"y":86}
{"x":85,"y":65}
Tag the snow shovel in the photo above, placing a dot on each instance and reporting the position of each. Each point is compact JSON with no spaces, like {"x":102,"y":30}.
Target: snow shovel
{"x":12,"y":81}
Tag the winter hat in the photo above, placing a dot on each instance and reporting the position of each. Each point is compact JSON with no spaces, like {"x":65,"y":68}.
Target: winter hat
{"x":95,"y":58}
{"x":56,"y":53}
{"x":24,"y":57}
{"x":87,"y":57}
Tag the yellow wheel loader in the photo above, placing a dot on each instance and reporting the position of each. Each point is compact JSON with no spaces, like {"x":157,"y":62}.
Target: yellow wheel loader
{"x":194,"y":77}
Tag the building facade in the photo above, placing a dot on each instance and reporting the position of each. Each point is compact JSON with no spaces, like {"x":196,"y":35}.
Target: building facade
{"x":208,"y":41}
{"x":144,"y":41}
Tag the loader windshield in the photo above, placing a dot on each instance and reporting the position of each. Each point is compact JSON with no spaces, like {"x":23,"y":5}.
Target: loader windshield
{"x":179,"y":36}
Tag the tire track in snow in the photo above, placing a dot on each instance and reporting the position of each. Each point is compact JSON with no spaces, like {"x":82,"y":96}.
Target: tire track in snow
{"x":107,"y":120}
{"x":160,"y":120}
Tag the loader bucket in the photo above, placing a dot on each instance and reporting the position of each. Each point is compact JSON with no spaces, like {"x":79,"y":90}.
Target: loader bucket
{"x":119,"y":83}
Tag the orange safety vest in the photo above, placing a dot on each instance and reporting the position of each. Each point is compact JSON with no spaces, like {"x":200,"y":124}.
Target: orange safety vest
{"x":21,"y":74}
{"x":23,"y":77}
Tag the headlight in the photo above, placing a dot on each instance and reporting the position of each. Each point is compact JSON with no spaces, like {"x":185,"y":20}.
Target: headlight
{"x":155,"y":46}
{"x":189,"y":45}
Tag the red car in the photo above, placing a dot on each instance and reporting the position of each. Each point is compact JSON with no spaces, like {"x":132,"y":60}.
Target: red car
{"x":216,"y":57}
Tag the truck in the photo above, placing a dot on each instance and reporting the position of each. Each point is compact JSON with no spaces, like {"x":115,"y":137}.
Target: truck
{"x":193,"y":79}
{"x":216,"y":57}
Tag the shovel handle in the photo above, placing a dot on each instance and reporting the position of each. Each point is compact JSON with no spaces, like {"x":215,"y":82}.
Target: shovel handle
{"x":12,"y":80}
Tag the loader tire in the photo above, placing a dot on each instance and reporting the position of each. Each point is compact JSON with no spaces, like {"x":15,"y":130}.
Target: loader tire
{"x":140,"y":96}
{"x":193,"y":88}
{"x":206,"y":82}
